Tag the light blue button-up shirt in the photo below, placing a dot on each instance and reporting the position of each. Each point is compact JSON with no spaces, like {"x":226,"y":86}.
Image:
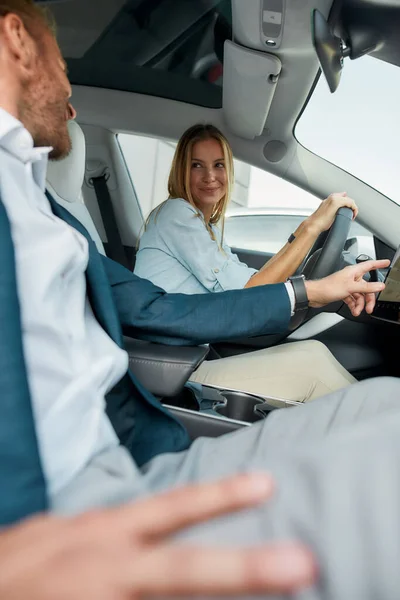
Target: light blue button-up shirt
{"x":177,"y":253}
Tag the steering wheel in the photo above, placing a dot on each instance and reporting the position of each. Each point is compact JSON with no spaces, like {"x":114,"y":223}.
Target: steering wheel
{"x":325,"y":257}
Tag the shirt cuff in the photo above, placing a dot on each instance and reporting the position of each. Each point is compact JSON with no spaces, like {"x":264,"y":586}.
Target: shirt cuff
{"x":290,"y":291}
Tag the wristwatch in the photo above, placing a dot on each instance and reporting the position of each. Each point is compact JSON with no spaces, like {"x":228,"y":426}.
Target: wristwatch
{"x":300,"y":292}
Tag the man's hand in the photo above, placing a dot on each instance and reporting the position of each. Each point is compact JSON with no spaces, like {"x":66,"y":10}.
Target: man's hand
{"x":348,"y":285}
{"x":126,"y":553}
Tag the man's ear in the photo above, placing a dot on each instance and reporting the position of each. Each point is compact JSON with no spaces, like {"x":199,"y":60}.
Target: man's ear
{"x":18,"y":43}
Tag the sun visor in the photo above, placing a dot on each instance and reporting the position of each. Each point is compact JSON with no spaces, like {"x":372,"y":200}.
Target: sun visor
{"x":250,"y":79}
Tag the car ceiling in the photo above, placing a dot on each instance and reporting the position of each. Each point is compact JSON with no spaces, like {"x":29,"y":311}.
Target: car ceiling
{"x":79,"y":25}
{"x":90,"y":27}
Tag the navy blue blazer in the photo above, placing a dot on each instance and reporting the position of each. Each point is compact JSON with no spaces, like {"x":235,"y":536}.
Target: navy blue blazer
{"x":141,"y":423}
{"x":147,"y":312}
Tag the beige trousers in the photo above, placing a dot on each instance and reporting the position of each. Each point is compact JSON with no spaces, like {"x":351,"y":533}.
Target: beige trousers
{"x":299,"y":371}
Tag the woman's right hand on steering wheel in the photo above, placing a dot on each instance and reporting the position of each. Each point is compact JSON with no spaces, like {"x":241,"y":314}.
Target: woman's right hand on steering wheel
{"x":322,"y":219}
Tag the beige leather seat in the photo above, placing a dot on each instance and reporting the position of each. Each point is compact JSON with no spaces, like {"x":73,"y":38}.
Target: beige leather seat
{"x":65,"y":180}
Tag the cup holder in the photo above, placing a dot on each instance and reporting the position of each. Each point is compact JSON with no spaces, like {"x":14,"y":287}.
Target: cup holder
{"x":242,"y":407}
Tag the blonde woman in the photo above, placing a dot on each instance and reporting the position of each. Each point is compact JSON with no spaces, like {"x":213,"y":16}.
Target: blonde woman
{"x":183,"y":250}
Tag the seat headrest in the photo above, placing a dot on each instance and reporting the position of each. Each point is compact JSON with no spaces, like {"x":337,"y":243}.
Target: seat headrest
{"x":65,"y":177}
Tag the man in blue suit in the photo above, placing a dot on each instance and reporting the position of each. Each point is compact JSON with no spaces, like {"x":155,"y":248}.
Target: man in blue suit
{"x":78,"y":431}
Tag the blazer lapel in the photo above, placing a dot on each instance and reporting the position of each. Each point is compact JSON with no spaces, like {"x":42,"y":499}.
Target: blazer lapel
{"x":99,"y":291}
{"x":22,"y":484}
{"x":141,"y":428}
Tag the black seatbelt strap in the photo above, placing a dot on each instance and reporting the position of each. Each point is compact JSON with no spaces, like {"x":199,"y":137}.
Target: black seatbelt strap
{"x":115,"y":247}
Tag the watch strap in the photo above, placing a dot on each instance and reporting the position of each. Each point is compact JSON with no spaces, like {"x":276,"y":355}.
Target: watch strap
{"x":291,"y":238}
{"x":300,"y":292}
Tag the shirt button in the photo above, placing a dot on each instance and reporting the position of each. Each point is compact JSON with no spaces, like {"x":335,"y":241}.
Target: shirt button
{"x":216,"y":270}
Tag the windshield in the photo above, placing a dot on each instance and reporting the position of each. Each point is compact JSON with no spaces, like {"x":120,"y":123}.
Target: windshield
{"x":358,"y":127}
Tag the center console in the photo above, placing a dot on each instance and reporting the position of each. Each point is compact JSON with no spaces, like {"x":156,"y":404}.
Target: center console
{"x":231,"y":410}
{"x":243,"y":406}
{"x":164,"y":371}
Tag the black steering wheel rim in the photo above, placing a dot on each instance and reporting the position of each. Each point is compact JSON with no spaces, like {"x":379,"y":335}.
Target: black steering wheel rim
{"x":327,"y":260}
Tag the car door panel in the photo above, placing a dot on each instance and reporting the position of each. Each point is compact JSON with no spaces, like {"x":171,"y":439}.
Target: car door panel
{"x":365,"y":348}
{"x":252,"y":258}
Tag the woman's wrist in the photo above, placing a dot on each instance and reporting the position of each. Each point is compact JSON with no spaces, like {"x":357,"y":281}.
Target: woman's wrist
{"x":309,"y":227}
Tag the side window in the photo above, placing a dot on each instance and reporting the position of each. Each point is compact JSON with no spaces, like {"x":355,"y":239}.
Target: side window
{"x":260,"y":232}
{"x":268,"y":210}
{"x":148,"y":161}
{"x":264,"y":211}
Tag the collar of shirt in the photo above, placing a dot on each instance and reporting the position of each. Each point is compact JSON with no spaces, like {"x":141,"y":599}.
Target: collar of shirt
{"x":17,"y":140}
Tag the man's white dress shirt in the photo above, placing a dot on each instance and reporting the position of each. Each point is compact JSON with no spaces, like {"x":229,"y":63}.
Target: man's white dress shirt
{"x":71,"y":362}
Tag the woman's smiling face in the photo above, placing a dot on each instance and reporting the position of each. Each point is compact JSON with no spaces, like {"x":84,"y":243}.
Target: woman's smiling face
{"x":208,"y":179}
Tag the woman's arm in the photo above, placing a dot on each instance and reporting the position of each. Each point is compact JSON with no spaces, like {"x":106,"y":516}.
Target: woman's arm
{"x":281,"y":266}
{"x":289,"y":258}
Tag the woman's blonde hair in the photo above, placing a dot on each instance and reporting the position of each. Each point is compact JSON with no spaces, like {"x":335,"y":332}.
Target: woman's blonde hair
{"x":179,"y":177}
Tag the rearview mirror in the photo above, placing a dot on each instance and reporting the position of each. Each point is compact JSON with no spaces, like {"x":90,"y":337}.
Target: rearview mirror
{"x":332,"y":50}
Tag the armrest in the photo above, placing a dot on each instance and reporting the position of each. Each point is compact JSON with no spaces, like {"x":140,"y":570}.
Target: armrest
{"x":163,"y":370}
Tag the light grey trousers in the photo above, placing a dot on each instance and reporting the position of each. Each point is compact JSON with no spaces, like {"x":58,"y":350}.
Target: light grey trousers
{"x":336,"y":463}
